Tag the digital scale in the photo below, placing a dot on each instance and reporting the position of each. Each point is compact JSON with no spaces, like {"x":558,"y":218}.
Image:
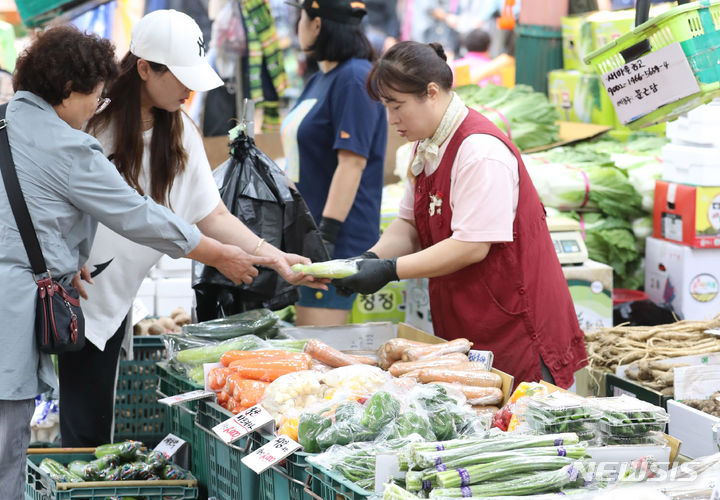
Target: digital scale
{"x":568,"y":242}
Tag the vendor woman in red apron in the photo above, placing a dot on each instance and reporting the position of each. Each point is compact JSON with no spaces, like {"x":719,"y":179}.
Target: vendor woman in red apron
{"x":472,"y":222}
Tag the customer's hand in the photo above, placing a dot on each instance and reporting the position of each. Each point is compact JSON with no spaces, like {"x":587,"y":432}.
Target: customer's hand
{"x":239,"y":266}
{"x":77,"y":281}
{"x":298,"y":279}
{"x":372,"y":275}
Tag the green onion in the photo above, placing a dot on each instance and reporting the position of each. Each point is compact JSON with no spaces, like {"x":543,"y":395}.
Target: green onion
{"x":475,"y":474}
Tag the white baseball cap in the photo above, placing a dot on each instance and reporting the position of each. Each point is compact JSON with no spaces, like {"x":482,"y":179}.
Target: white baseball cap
{"x":174,"y":39}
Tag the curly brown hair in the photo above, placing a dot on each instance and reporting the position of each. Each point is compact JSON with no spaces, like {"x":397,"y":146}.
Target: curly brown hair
{"x":64,"y":60}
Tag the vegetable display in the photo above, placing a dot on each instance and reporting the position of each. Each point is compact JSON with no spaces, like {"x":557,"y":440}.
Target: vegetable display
{"x":257,"y":322}
{"x":625,"y":417}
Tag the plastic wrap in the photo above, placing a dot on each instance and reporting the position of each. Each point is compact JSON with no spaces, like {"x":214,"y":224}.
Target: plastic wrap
{"x":332,"y":269}
{"x":512,"y":414}
{"x":288,"y":395}
{"x":563,"y":412}
{"x":45,"y":422}
{"x":257,"y":322}
{"x":355,"y":381}
{"x":627,"y":417}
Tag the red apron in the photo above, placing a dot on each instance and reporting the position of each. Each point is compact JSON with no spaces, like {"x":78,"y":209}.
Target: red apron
{"x":516,"y":301}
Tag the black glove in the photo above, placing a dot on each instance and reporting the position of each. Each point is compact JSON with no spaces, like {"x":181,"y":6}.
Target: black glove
{"x":329,"y":229}
{"x":372,"y":275}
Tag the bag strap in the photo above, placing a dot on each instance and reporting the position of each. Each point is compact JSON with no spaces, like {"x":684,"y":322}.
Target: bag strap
{"x":17,"y":201}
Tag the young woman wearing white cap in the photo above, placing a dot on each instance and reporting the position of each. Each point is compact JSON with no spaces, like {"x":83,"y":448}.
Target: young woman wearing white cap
{"x":159,"y":152}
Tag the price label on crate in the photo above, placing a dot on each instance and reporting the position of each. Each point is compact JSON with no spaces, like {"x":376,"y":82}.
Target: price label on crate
{"x":271,"y":453}
{"x":243,"y":424}
{"x":186,"y":396}
{"x":641,"y":86}
{"x":170,"y":445}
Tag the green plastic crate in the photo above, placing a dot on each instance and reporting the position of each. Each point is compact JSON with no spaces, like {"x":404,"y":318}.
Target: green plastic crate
{"x":40,"y":487}
{"x":695,"y":27}
{"x":538,"y":50}
{"x":334,"y":486}
{"x":180,"y":419}
{"x":290,"y":479}
{"x":228,"y":478}
{"x":138,"y":415}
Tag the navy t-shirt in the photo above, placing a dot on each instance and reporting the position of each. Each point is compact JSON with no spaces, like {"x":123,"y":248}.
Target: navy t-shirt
{"x":335,"y":112}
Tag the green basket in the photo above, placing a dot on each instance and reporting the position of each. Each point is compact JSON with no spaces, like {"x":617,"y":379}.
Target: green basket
{"x":695,"y":26}
{"x":334,"y":486}
{"x":40,"y":487}
{"x":180,"y":419}
{"x":289,"y":479}
{"x":138,"y":415}
{"x":538,"y":50}
{"x":228,"y":478}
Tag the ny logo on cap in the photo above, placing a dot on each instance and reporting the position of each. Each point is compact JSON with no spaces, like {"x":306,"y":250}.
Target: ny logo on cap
{"x":201,"y":46}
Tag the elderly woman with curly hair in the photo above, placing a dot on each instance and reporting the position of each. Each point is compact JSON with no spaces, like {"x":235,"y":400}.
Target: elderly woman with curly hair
{"x":69,"y":186}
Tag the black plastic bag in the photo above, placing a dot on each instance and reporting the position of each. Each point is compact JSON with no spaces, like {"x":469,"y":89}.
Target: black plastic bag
{"x":643,"y":313}
{"x":256,"y":191}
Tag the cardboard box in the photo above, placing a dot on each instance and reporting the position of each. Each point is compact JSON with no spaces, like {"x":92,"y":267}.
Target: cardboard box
{"x":417,"y":304}
{"x":694,"y":428}
{"x":366,"y":338}
{"x":617,"y":386}
{"x":580,"y":97}
{"x":585,"y":33}
{"x":591,"y":287}
{"x":684,"y":277}
{"x":687,"y":214}
{"x":387,"y":304}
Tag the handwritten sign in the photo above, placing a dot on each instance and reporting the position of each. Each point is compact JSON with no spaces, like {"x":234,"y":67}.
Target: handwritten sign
{"x":186,"y":396}
{"x":170,"y":445}
{"x":271,"y":453}
{"x":243,"y":424}
{"x":641,"y":86}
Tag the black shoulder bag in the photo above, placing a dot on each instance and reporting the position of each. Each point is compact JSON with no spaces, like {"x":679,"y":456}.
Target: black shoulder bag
{"x":59,"y":322}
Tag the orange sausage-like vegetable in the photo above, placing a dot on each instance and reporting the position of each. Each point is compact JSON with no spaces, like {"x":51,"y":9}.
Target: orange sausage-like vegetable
{"x":332,"y":357}
{"x":247,"y":392}
{"x":217,"y":377}
{"x":401,"y":367}
{"x":466,"y":377}
{"x":477,"y":395}
{"x":436,"y":350}
{"x":268,"y":354}
{"x":223,"y":397}
{"x":302,"y":363}
{"x":393,"y":349}
{"x":234,"y":406}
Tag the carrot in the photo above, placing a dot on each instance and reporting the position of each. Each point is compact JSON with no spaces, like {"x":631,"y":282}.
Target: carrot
{"x":303,"y":363}
{"x":223,"y":397}
{"x":400,"y":367}
{"x":322,"y":352}
{"x":467,"y":377}
{"x":266,"y":374}
{"x":235,"y":406}
{"x":393,"y":349}
{"x":216,"y":378}
{"x":411,"y":374}
{"x":477,"y":395}
{"x":436,"y":350}
{"x":231,"y":356}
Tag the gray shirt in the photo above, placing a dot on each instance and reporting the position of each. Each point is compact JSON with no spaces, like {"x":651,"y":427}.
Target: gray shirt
{"x":69,"y":187}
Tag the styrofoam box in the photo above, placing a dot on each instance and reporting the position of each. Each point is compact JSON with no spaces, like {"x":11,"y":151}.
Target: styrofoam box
{"x":685,"y":164}
{"x":685,"y":277}
{"x":167,"y":266}
{"x":172,"y":293}
{"x":697,"y":127}
{"x":146,"y":293}
{"x":694,"y":428}
{"x":417,"y":304}
{"x":353,"y":337}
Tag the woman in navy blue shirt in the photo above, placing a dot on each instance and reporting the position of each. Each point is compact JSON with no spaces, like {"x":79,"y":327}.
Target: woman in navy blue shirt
{"x":334,"y":141}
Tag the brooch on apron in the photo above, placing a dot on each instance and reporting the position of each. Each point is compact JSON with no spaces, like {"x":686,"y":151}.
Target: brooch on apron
{"x":436,"y":203}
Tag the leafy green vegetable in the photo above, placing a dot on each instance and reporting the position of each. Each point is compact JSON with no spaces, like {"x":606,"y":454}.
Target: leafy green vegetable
{"x":531,"y":117}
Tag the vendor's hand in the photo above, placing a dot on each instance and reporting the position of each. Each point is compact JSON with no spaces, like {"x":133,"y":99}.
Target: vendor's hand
{"x":239,"y":266}
{"x":77,"y":281}
{"x":284,"y":269}
{"x":372,"y":275}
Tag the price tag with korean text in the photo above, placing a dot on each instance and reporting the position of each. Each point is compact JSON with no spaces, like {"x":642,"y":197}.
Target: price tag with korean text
{"x":271,"y":453}
{"x":170,"y":445}
{"x":243,"y":424}
{"x":186,"y":396}
{"x":641,"y":86}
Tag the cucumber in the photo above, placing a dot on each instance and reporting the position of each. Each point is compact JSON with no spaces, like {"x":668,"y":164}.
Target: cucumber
{"x":127,"y":450}
{"x":58,"y":472}
{"x":254,"y":322}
